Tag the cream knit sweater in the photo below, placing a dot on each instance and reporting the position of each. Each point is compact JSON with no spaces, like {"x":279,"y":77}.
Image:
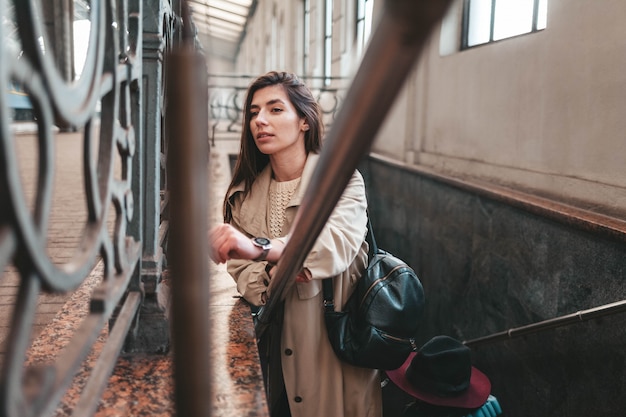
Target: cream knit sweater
{"x":280,"y":195}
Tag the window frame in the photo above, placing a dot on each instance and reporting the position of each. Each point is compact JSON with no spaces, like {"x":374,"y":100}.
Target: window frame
{"x":363,"y":23}
{"x":328,"y":41}
{"x":306,"y":37}
{"x":492,"y":23}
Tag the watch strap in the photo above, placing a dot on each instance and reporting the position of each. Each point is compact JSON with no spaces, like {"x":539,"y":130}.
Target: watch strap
{"x":262,"y":256}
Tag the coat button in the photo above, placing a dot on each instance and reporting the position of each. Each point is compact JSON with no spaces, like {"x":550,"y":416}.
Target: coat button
{"x":288,"y":352}
{"x":298,"y":399}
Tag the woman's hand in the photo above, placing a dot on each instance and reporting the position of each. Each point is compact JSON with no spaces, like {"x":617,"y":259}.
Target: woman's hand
{"x":303,"y":276}
{"x":226,"y":242}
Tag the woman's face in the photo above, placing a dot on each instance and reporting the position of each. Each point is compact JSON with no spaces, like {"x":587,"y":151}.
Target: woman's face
{"x":274,"y":122}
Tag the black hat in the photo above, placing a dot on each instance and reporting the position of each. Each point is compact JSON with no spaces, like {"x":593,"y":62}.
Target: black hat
{"x":441,"y":373}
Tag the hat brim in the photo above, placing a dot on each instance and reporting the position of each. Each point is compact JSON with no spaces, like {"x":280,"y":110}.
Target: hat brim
{"x":475,"y":396}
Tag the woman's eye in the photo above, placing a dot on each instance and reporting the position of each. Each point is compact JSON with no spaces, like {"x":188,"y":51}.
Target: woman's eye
{"x":253,"y":113}
{"x":277,"y":109}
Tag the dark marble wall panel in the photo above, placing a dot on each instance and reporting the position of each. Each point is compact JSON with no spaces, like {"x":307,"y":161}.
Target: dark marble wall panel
{"x":487,"y":267}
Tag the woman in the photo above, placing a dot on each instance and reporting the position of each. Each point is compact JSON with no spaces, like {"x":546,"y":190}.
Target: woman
{"x":282,"y":133}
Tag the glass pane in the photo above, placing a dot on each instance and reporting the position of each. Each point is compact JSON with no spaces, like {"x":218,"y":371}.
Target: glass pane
{"x":328,"y":31}
{"x":542,"y":14}
{"x":307,"y":36}
{"x":81,"y":30}
{"x":479,"y":22}
{"x":360,"y":9}
{"x":328,"y":23}
{"x":369,"y":10}
{"x":307,"y":30}
{"x":81,"y":43}
{"x":512,"y":17}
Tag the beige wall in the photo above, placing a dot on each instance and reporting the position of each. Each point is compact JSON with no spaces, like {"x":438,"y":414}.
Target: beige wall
{"x":274,"y":39}
{"x":543,"y":111}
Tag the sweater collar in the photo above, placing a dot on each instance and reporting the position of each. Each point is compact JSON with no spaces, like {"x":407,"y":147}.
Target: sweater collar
{"x":254,"y":206}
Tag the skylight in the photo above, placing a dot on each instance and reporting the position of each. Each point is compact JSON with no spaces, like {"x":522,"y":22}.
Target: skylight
{"x":221,"y":19}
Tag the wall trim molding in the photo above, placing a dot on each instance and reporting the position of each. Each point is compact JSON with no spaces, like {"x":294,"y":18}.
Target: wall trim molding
{"x":562,"y":212}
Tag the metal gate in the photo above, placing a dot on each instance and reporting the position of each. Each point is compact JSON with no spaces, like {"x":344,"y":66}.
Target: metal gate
{"x":115,"y":107}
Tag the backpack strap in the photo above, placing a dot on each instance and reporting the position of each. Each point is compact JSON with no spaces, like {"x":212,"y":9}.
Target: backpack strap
{"x":370,"y":235}
{"x":329,"y":299}
{"x":327,"y":283}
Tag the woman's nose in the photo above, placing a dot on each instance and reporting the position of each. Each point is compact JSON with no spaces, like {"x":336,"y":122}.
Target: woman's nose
{"x":260,"y":118}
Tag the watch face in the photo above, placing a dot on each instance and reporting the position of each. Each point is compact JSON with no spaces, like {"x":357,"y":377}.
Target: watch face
{"x":262,"y":241}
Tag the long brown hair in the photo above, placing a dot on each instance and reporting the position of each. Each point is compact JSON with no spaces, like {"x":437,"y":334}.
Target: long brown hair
{"x":251,"y":161}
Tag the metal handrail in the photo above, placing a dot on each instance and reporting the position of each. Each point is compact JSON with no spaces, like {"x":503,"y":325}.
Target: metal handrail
{"x":580,"y":316}
{"x":188,"y":246}
{"x":396,"y":43}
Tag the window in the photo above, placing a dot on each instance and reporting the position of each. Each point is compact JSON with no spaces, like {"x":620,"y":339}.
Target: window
{"x":363,"y":23}
{"x":328,"y":41}
{"x":307,"y":36}
{"x":487,"y":21}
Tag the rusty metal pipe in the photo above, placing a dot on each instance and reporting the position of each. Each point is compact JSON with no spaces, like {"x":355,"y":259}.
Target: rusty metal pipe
{"x":187,"y":245}
{"x":402,"y":31}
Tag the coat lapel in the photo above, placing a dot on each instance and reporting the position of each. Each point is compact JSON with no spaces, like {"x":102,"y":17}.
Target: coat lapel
{"x":253,"y":211}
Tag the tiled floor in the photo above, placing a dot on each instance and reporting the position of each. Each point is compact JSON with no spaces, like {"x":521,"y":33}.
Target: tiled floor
{"x":63,"y":230}
{"x":141,"y":385}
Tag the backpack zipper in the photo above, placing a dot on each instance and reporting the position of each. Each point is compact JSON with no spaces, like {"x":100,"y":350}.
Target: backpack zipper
{"x":410,"y":341}
{"x":371,"y":287}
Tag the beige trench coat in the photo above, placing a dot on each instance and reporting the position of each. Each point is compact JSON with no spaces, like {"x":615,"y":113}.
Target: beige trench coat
{"x":317,"y":383}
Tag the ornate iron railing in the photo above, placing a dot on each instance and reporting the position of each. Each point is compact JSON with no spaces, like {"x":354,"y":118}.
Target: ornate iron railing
{"x":116,"y":107}
{"x":227,"y":95}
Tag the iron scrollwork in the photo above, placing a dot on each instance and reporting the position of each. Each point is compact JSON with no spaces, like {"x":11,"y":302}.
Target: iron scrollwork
{"x":109,"y":80}
{"x":227,"y":95}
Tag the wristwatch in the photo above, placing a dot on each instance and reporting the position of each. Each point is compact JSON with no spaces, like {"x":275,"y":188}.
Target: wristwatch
{"x":263,"y":243}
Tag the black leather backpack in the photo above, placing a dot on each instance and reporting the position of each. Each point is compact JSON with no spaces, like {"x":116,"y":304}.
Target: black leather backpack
{"x":380,"y":321}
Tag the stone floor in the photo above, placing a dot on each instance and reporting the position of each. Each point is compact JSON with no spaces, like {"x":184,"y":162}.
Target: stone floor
{"x":64,"y":231}
{"x":141,"y":385}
